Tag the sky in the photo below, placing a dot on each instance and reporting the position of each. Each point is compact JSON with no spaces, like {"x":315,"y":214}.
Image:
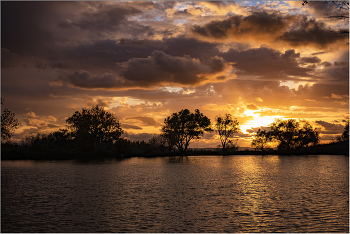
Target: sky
{"x":143,"y":61}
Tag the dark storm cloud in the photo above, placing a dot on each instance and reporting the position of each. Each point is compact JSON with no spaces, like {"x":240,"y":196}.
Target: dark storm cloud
{"x":266,"y":62}
{"x":163,"y":68}
{"x":157,"y":69}
{"x":296,"y":31}
{"x":321,"y":91}
{"x":180,"y":46}
{"x":326,"y":64}
{"x":259,"y":23}
{"x":104,"y":54}
{"x":130,"y":126}
{"x":108,"y":18}
{"x":145,"y":120}
{"x":339,"y":72}
{"x":318,"y":53}
{"x":310,"y":60}
{"x":330,"y":128}
{"x":306,"y":32}
{"x":342,"y":63}
{"x":84,"y":79}
{"x":54,"y":30}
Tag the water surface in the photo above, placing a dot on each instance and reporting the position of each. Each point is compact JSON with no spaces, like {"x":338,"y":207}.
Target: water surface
{"x":173,"y":194}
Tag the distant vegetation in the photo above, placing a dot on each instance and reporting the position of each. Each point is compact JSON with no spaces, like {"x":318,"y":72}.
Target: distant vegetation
{"x":287,"y":134}
{"x":96,"y":133}
{"x":8,"y":124}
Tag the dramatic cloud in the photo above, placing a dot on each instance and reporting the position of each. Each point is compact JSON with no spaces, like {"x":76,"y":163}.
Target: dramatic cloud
{"x":329,"y":128}
{"x":271,"y":27}
{"x":161,"y":68}
{"x":267,"y":62}
{"x":156,"y":70}
{"x":311,"y":60}
{"x":105,"y":19}
{"x":307,"y":32}
{"x":145,"y":60}
{"x":84,"y":79}
{"x":145,"y":120}
{"x":259,"y":24}
{"x":129,"y":126}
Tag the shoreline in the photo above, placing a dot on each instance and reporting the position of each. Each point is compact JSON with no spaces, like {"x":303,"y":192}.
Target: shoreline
{"x":339,"y":148}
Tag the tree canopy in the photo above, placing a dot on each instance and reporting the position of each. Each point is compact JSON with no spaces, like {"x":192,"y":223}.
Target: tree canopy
{"x":8,"y":124}
{"x":183,"y":126}
{"x":226,"y":127}
{"x":290,"y":135}
{"x":287,"y":134}
{"x":94,"y":124}
{"x":345,"y":135}
{"x":261,"y":140}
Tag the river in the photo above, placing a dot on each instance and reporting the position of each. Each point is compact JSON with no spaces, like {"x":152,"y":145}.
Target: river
{"x":174,"y":194}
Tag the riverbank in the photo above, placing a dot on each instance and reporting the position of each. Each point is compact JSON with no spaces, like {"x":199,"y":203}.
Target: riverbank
{"x":20,"y":153}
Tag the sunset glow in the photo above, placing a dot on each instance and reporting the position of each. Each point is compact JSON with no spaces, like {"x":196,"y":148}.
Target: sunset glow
{"x":143,"y":61}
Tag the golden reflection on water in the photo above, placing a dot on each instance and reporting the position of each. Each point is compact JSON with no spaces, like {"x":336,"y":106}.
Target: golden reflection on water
{"x":179,"y":194}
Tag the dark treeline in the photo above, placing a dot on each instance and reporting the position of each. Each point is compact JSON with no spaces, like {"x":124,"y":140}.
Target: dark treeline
{"x":96,"y":133}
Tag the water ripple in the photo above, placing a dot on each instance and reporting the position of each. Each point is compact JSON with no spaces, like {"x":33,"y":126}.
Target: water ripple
{"x":193,"y":194}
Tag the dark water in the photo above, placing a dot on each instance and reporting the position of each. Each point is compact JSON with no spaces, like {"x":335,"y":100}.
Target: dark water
{"x":193,"y":194}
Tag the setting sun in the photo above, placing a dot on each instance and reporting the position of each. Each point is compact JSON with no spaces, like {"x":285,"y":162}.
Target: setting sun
{"x":175,"y":116}
{"x":218,"y":57}
{"x":257,"y":121}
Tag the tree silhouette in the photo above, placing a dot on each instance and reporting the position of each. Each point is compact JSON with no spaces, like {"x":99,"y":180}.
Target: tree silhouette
{"x":58,"y":139}
{"x":308,"y":136}
{"x":183,"y":126}
{"x":226,"y":127}
{"x":94,"y":125}
{"x":261,"y":140}
{"x":8,"y":124}
{"x":289,"y":135}
{"x":345,"y":135}
{"x":160,"y":142}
